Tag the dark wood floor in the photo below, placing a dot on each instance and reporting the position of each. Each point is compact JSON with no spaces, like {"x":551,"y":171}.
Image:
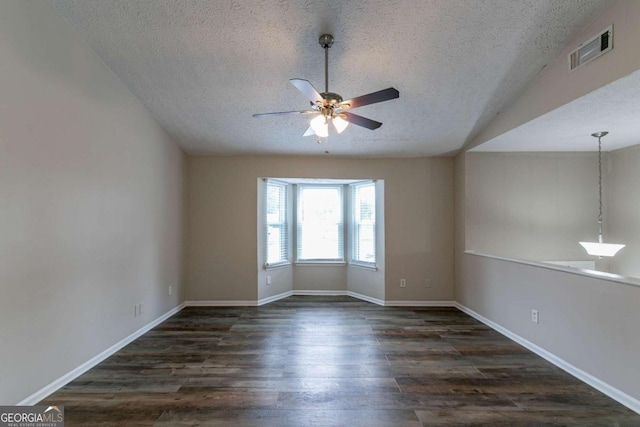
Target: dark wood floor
{"x":330,"y":361}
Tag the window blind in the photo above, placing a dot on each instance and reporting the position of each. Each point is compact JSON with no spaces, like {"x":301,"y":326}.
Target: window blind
{"x":276,"y":224}
{"x":363,"y":209}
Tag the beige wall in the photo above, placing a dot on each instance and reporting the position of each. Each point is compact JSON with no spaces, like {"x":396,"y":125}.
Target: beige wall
{"x":90,"y":204}
{"x":460,"y":215}
{"x":222,"y":232}
{"x":320,"y":277}
{"x":537,"y":206}
{"x":588,"y":322}
{"x":623,"y":206}
{"x":556,"y":86}
{"x":533,"y":206}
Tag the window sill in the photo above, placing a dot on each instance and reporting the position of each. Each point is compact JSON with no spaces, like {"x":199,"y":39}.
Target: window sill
{"x":279,"y":265}
{"x":364,"y":266}
{"x":316,"y":263}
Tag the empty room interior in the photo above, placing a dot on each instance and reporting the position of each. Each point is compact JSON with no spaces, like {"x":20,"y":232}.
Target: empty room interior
{"x":321,"y":213}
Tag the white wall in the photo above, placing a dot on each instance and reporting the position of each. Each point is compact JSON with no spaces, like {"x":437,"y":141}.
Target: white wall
{"x":90,"y":204}
{"x":223,"y":236}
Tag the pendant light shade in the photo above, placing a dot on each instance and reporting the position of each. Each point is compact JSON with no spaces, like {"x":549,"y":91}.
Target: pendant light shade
{"x":600,"y":248}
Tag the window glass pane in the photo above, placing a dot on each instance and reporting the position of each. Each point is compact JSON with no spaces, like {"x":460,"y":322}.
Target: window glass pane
{"x":274,"y":238}
{"x":274,"y":206}
{"x":320,"y":224}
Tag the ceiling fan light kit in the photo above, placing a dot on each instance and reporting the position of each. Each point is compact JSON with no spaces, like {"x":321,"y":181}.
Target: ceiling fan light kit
{"x":330,"y":107}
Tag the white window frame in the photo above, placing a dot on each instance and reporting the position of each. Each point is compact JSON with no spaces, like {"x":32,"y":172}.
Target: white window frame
{"x":355,"y":229}
{"x":283,"y":225}
{"x":341,"y":226}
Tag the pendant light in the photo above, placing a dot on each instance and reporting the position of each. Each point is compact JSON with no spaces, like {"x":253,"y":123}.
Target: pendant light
{"x":600,"y":248}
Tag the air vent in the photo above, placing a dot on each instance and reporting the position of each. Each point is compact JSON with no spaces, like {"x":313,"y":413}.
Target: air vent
{"x":591,"y":49}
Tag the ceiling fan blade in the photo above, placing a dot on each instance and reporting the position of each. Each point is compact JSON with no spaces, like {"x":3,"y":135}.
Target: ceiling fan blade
{"x":360,"y":121}
{"x":371,"y":98}
{"x":307,"y":89}
{"x":309,"y":132}
{"x":285,"y":113}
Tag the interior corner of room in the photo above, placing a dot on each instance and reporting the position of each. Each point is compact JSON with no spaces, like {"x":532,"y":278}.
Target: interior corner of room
{"x":110,"y":223}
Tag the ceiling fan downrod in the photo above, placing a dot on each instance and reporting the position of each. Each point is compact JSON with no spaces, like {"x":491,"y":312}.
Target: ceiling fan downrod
{"x":326,"y":41}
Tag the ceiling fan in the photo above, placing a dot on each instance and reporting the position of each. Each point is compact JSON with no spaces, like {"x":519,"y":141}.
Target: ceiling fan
{"x":330,"y":107}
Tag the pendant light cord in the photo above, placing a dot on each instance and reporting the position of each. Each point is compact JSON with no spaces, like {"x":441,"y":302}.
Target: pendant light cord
{"x":600,"y":179}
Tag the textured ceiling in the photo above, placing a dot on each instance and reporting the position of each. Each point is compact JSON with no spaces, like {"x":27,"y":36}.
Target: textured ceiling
{"x":202,"y":68}
{"x":613,"y":108}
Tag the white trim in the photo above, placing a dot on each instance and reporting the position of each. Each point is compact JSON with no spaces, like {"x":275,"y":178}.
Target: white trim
{"x":221,"y":303}
{"x":366,"y":298}
{"x":312,"y":263}
{"x":614,"y":393}
{"x":319,"y":292}
{"x":419,"y":303}
{"x":274,"y":298}
{"x":75,"y":373}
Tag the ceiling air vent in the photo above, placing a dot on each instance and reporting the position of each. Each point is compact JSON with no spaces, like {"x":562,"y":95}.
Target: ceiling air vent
{"x":591,"y":49}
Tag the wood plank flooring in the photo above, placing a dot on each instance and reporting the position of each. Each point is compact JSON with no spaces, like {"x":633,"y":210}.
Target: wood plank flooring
{"x":330,"y":361}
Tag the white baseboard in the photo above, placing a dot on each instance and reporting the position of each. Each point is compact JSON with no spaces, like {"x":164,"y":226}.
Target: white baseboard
{"x":75,"y":373}
{"x":253,"y":303}
{"x":274,"y":298}
{"x":319,"y":293}
{"x":419,"y":303}
{"x":221,"y":303}
{"x":366,"y":298}
{"x":617,"y":395}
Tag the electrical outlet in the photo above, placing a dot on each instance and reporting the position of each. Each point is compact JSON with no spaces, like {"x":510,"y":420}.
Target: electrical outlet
{"x":403,"y":283}
{"x":534,"y":316}
{"x":268,"y":280}
{"x":170,"y":290}
{"x":427,"y":283}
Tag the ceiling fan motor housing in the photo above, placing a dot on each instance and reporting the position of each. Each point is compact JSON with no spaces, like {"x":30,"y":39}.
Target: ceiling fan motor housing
{"x":331,"y":98}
